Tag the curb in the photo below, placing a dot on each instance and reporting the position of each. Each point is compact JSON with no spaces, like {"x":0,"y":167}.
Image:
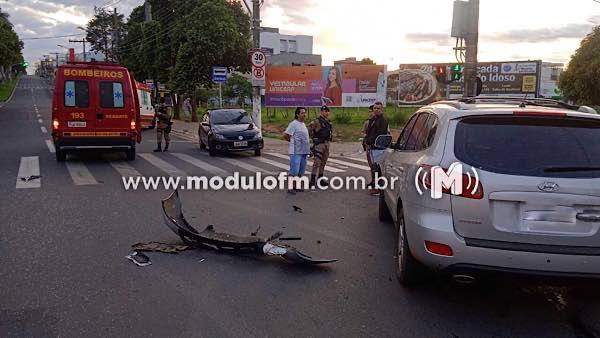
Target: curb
{"x":11,"y":94}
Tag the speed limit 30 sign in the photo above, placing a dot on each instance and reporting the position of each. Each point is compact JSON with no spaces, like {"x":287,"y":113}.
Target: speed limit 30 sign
{"x":258,"y":58}
{"x":259,"y":63}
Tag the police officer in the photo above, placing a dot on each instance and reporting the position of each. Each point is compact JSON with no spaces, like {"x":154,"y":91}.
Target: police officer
{"x":163,"y":125}
{"x":321,"y":132}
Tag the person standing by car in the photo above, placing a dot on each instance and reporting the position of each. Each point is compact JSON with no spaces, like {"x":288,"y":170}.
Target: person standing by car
{"x":187,"y":109}
{"x":321,"y":132}
{"x":163,"y":125}
{"x":299,"y":148}
{"x":379,"y":126}
{"x":364,"y":131}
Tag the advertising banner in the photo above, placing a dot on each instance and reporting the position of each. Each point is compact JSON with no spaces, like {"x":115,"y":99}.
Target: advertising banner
{"x":335,"y":86}
{"x":416,"y":84}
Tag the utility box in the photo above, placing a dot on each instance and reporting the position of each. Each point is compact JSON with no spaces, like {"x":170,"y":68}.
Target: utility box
{"x":460,"y":19}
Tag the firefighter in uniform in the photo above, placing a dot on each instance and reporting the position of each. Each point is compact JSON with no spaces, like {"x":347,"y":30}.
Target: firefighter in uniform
{"x":321,"y":132}
{"x":163,"y":125}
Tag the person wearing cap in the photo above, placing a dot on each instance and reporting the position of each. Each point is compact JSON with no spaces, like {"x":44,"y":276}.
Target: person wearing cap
{"x":321,"y":132}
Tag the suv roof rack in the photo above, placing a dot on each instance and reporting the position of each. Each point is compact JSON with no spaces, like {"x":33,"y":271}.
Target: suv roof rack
{"x":524,"y":102}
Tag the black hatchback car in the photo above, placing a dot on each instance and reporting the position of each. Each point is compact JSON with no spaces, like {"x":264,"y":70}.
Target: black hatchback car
{"x":223,"y":130}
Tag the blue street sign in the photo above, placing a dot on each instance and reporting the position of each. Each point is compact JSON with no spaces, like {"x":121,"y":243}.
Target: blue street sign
{"x":219,"y":74}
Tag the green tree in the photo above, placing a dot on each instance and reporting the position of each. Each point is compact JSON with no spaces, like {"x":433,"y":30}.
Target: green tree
{"x":104,"y":33}
{"x":366,"y":61}
{"x":237,"y":87}
{"x":10,"y":47}
{"x":580,"y":82}
{"x":215,"y":33}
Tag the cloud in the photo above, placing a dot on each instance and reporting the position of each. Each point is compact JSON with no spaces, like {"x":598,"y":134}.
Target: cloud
{"x":543,"y":35}
{"x":440,"y":39}
{"x":295,"y":11}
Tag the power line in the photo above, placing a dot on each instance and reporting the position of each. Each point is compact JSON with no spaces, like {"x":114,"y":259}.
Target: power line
{"x":52,"y":37}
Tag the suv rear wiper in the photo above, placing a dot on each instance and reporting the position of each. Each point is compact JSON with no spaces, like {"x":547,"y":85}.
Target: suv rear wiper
{"x":557,"y":169}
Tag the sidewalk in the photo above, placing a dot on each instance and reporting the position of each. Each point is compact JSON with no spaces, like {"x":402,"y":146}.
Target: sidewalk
{"x":189,"y":131}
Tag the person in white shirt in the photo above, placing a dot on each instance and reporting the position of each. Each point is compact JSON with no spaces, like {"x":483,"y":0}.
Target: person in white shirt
{"x":299,"y":148}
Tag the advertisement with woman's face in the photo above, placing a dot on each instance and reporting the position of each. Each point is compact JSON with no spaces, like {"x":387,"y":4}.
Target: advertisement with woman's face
{"x":332,"y":94}
{"x":334,"y":86}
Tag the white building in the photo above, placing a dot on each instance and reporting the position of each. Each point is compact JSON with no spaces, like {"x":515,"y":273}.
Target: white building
{"x":277,"y":43}
{"x":288,"y":49}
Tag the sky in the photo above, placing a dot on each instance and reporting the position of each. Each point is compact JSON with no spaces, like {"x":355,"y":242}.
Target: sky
{"x":390,"y":32}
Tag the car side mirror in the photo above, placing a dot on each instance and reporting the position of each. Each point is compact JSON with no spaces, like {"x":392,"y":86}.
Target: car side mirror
{"x":383,"y":142}
{"x":205,"y":124}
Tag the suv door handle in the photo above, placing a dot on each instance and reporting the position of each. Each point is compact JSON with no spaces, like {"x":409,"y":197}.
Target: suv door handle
{"x":99,"y":116}
{"x":588,"y":217}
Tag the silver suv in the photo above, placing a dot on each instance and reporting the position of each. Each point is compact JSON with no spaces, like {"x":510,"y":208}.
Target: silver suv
{"x":530,"y":202}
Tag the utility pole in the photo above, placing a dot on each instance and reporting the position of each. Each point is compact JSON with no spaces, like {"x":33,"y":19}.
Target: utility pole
{"x":256,"y":106}
{"x":147,"y":11}
{"x":471,"y":41}
{"x":115,"y":35}
{"x":56,"y":55}
{"x":82,"y":41}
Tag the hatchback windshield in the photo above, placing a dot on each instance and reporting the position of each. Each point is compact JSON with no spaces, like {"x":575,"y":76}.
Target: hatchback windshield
{"x":530,"y":146}
{"x":230,"y":117}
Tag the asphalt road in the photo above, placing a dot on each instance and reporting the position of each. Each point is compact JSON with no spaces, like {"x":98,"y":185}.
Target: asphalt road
{"x":63,"y":271}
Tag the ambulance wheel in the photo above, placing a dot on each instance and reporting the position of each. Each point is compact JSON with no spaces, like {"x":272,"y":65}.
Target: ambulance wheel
{"x":131,"y":154}
{"x":61,"y":155}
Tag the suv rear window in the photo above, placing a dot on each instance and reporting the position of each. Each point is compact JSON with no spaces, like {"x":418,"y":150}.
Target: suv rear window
{"x":530,"y":146}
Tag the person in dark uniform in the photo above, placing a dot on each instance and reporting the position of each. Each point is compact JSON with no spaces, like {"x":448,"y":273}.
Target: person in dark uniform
{"x":321,"y":132}
{"x":163,"y":125}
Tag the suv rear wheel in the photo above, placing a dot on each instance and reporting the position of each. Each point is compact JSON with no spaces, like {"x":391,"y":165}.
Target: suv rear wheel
{"x":408,"y":270}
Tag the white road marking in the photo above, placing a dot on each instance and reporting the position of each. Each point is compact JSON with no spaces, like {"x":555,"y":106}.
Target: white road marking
{"x":246,"y":166}
{"x":44,"y":130}
{"x":348,"y":164}
{"x":50,"y":145}
{"x":80,"y":173}
{"x":310,"y":163}
{"x":29,"y":166}
{"x":40,"y":121}
{"x":124,"y":169}
{"x":163,"y":165}
{"x":363,"y":160}
{"x":201,"y":164}
{"x":273,"y":163}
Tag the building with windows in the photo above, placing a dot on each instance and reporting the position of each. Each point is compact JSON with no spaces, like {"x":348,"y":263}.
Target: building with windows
{"x":288,"y":49}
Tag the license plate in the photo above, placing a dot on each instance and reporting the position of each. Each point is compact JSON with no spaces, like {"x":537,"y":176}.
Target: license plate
{"x":240,"y":144}
{"x":77,"y":124}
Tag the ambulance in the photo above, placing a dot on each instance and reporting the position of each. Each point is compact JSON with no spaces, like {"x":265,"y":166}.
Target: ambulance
{"x":95,"y":106}
{"x":146,"y":109}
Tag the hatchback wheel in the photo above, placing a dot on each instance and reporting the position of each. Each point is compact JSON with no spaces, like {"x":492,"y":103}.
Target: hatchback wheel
{"x":408,"y":270}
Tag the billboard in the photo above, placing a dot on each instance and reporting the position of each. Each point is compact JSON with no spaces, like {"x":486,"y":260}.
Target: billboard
{"x":335,"y":86}
{"x":416,"y":84}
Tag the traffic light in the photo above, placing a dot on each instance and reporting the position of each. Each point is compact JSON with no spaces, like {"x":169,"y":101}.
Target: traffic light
{"x":441,"y":74}
{"x":25,"y":64}
{"x":456,"y":72}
